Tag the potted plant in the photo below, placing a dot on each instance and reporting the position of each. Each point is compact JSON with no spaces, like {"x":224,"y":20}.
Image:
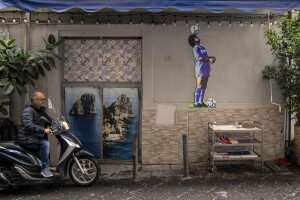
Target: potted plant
{"x":19,"y":67}
{"x":285,"y":45}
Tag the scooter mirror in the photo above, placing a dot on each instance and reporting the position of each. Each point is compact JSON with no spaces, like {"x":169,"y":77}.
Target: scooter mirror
{"x":45,"y":120}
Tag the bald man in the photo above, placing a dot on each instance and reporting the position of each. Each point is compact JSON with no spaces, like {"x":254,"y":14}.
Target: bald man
{"x":33,"y":132}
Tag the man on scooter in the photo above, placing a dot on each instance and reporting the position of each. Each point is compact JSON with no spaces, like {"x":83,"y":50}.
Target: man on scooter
{"x":33,"y":132}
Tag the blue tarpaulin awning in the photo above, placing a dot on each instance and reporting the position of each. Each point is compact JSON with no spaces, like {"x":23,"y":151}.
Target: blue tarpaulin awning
{"x":248,"y":6}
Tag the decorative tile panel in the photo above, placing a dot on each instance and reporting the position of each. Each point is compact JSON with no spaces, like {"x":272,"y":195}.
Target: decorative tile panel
{"x":4,"y":34}
{"x":103,"y":60}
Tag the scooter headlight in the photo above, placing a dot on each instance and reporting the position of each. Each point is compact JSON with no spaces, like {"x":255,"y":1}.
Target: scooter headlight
{"x":66,"y":125}
{"x":73,"y":144}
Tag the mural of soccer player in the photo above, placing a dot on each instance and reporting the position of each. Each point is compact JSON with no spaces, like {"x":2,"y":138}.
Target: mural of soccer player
{"x":202,"y":69}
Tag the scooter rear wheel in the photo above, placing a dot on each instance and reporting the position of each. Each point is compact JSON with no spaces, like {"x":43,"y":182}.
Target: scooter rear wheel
{"x":91,"y":171}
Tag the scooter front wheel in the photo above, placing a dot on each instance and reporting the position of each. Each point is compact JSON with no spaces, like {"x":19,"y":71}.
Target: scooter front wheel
{"x":90,"y":174}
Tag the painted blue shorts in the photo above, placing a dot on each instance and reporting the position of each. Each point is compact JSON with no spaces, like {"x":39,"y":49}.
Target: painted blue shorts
{"x":202,"y":69}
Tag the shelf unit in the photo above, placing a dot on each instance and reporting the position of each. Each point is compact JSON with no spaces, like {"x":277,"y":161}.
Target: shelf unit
{"x":249,"y":140}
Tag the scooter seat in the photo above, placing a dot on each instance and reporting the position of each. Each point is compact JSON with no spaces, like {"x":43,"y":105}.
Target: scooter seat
{"x":15,"y":146}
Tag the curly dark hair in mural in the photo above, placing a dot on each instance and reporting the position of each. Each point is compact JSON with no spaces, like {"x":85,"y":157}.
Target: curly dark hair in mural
{"x":192,"y":41}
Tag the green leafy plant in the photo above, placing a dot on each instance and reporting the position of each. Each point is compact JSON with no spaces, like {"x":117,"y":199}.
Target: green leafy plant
{"x":19,"y":67}
{"x":285,"y":45}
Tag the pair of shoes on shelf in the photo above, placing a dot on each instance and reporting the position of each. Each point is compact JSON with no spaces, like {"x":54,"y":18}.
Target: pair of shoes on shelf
{"x":234,"y":141}
{"x":199,"y":105}
{"x":224,"y":140}
{"x":46,"y":172}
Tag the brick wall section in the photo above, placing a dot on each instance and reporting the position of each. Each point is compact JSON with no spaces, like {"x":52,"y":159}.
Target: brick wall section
{"x":163,"y":144}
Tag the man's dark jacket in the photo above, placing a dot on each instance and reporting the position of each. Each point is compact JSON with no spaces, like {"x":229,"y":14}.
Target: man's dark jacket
{"x":32,"y":129}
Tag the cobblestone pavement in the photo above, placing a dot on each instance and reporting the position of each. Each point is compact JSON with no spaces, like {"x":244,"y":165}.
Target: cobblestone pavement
{"x":240,"y":183}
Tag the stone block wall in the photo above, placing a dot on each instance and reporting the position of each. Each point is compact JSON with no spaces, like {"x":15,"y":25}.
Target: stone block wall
{"x":162,"y":144}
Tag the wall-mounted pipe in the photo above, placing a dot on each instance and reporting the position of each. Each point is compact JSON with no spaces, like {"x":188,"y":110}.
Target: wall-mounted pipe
{"x":271,"y":88}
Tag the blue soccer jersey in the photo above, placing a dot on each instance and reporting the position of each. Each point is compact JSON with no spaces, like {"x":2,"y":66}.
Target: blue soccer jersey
{"x":202,"y":69}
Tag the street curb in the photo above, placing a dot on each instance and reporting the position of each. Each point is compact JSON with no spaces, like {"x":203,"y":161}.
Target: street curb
{"x":125,"y":171}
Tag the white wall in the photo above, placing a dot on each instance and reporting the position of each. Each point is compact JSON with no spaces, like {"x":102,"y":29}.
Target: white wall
{"x":168,"y":64}
{"x":241,"y":54}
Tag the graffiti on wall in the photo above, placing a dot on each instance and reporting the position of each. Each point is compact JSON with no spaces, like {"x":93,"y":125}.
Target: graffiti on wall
{"x":4,"y":34}
{"x":202,"y":70}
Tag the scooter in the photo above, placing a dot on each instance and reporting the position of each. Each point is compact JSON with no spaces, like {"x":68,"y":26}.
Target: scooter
{"x":19,"y":165}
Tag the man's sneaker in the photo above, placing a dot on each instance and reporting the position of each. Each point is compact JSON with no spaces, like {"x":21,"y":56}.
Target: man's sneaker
{"x":46,"y":172}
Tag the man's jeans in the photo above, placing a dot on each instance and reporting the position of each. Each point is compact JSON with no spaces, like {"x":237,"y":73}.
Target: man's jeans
{"x":44,"y":147}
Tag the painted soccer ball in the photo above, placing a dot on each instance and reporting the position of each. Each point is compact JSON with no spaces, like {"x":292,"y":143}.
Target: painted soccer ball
{"x":211,"y":103}
{"x":195,"y":29}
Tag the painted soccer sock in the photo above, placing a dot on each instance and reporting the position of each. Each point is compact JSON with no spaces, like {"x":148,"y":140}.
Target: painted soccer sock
{"x":202,"y":96}
{"x":197,"y":95}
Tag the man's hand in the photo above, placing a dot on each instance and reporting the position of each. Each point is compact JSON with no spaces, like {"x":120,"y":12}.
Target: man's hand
{"x":48,"y":130}
{"x":211,"y":59}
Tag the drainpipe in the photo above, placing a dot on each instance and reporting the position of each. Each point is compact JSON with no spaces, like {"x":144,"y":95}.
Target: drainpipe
{"x":286,"y":130}
{"x":271,"y":88}
{"x":26,"y":47}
